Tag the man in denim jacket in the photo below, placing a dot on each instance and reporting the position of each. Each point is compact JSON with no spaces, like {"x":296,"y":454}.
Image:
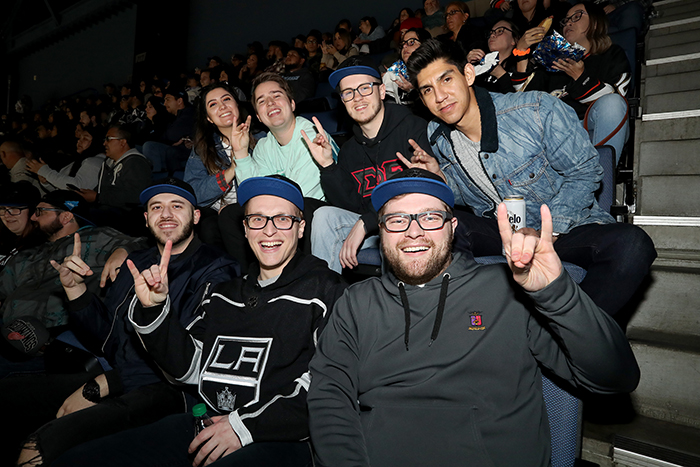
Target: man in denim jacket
{"x":493,"y":146}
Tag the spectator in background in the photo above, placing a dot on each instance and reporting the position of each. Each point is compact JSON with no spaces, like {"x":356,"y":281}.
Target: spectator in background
{"x":171,"y":154}
{"x":313,"y":48}
{"x":12,"y":156}
{"x":19,"y":232}
{"x":82,"y":172}
{"x":461,"y":30}
{"x":341,"y":49}
{"x":370,"y":31}
{"x":276,"y":53}
{"x":205,"y":78}
{"x":396,"y":80}
{"x":434,"y":18}
{"x":215,"y":61}
{"x":192,"y":88}
{"x":157,"y":120}
{"x":299,"y":41}
{"x":299,"y":78}
{"x":503,"y":38}
{"x":249,"y":71}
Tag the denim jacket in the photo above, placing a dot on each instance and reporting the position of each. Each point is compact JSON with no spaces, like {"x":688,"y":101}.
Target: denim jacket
{"x":533,"y":146}
{"x":208,"y":188}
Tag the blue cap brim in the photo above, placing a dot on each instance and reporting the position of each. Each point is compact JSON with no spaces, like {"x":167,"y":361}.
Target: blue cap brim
{"x":336,"y":76}
{"x":392,"y":188}
{"x":151,"y":191}
{"x":257,"y":186}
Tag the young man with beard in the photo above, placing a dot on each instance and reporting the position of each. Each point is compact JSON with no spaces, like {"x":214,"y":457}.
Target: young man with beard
{"x":439,"y":360}
{"x":248,"y":355}
{"x":492,"y":146}
{"x":300,"y":79}
{"x":80,"y":407}
{"x":368,"y":159}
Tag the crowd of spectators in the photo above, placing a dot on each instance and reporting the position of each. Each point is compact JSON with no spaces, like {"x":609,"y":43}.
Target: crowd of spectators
{"x":75,"y":174}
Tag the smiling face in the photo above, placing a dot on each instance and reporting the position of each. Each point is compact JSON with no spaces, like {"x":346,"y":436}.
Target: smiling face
{"x":446,"y":92}
{"x":576,"y":31}
{"x":272,"y":247}
{"x":16,"y":224}
{"x":363,"y":109}
{"x":171,"y":217}
{"x":417,"y":256}
{"x":222,"y":109}
{"x":274,"y":108}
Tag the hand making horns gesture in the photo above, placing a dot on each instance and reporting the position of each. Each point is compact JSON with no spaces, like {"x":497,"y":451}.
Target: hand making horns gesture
{"x":151,"y":285}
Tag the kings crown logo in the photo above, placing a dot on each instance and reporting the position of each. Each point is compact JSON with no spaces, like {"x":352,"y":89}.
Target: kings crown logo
{"x":475,"y":322}
{"x":225,"y":400}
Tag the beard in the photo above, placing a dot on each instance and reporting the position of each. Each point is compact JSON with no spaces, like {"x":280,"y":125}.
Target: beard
{"x":177,"y":237}
{"x":420,"y":270}
{"x":54,"y":227}
{"x":374,"y":109}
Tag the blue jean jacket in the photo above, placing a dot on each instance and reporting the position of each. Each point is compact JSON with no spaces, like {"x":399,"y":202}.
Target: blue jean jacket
{"x":533,"y":146}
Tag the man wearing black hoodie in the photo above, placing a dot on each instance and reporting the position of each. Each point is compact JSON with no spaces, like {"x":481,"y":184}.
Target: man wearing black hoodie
{"x":366,"y":160}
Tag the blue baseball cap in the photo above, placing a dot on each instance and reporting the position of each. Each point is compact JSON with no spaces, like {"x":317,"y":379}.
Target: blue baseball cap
{"x":170,"y":185}
{"x":412,"y":181}
{"x":359,"y":65}
{"x":274,"y":185}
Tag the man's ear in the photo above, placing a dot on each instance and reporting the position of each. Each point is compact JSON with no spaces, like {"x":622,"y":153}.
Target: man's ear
{"x":302,"y":224}
{"x":65,"y":217}
{"x":469,"y":73}
{"x":145,"y":216}
{"x":382,"y":91}
{"x":196,"y":216}
{"x":294,"y":106}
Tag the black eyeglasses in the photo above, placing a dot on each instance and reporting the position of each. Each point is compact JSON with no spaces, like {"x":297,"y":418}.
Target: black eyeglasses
{"x":364,"y":90}
{"x":408,"y":42}
{"x":40,"y":211}
{"x":573,"y":18}
{"x":12,"y":211}
{"x":280,"y":221}
{"x":453,"y":12}
{"x":497,"y":32}
{"x":400,"y":222}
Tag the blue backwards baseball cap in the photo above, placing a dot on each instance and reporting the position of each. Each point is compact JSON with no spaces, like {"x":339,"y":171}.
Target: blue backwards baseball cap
{"x":170,"y":185}
{"x":412,"y":181}
{"x":274,"y":185}
{"x":359,"y":65}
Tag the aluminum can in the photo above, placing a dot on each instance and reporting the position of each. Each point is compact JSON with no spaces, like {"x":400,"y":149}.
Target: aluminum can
{"x":517,"y":214}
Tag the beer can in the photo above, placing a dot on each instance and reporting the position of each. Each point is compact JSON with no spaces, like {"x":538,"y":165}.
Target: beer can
{"x":517,"y":215}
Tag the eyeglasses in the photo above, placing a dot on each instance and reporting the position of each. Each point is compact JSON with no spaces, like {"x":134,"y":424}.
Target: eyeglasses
{"x":280,"y":221}
{"x":365,"y":89}
{"x":573,"y":18}
{"x":12,"y":211}
{"x":40,"y":211}
{"x":311,"y":41}
{"x":400,"y":222}
{"x":110,"y":138}
{"x":497,"y":32}
{"x":453,"y":12}
{"x":408,"y":43}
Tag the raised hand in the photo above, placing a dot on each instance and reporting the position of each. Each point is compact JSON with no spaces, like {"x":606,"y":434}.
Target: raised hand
{"x":421,"y":160}
{"x":240,"y":137}
{"x":73,"y":270}
{"x":320,"y":147}
{"x":531,"y":36}
{"x":151,"y":285}
{"x":34,"y":165}
{"x":532,"y":258}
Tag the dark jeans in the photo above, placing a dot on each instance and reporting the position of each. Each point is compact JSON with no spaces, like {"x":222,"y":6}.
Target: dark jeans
{"x":165,"y":443}
{"x":32,"y":402}
{"x":616,"y":257}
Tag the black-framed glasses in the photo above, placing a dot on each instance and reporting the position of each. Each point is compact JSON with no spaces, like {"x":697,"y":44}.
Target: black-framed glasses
{"x":364,"y":89}
{"x":453,"y":12}
{"x":429,"y":220}
{"x":408,"y":42}
{"x":13,"y":211}
{"x":280,"y":221}
{"x":39,"y":211}
{"x":497,"y":31}
{"x":573,"y":18}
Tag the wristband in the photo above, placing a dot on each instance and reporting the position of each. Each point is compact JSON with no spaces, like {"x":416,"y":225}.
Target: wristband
{"x":521,"y":53}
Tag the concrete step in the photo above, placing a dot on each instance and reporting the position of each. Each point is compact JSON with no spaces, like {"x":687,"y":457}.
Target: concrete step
{"x":668,"y":129}
{"x":673,"y":238}
{"x":671,"y":102}
{"x":665,"y":195}
{"x":669,"y":304}
{"x":676,"y":8}
{"x":670,"y":382}
{"x":670,"y":65}
{"x":689,"y":81}
{"x":688,"y":47}
{"x":673,"y":25}
{"x":669,"y":40}
{"x":669,"y":442}
{"x":669,"y":158}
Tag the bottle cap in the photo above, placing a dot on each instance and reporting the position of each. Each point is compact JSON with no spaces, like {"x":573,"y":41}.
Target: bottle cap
{"x":199,"y":410}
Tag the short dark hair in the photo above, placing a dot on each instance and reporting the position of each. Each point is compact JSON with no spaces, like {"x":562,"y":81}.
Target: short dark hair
{"x":270,"y":76}
{"x":126,"y":132}
{"x":423,"y":35}
{"x":431,"y":51}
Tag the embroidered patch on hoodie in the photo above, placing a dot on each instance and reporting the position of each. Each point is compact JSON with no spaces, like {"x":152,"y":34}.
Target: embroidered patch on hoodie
{"x":476,"y":323}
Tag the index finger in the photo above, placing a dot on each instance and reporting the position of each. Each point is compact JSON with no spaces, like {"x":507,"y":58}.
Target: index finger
{"x":403,"y":159}
{"x":547,"y":226}
{"x":415,"y":145}
{"x":77,"y":245}
{"x":165,"y":259}
{"x":317,"y":123}
{"x":504,"y":225}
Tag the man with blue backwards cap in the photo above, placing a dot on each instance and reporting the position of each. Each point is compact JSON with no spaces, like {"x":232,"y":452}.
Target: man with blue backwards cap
{"x":98,"y":403}
{"x":366,"y":160}
{"x":438,"y":361}
{"x":248,"y":355}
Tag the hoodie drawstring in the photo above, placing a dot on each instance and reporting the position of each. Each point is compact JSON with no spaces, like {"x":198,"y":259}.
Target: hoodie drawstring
{"x":438,"y":316}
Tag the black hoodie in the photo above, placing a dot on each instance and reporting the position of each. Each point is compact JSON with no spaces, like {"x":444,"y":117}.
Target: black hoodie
{"x":364,"y":163}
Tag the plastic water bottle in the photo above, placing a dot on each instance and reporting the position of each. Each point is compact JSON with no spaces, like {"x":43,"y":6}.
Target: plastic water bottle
{"x":201,"y":419}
